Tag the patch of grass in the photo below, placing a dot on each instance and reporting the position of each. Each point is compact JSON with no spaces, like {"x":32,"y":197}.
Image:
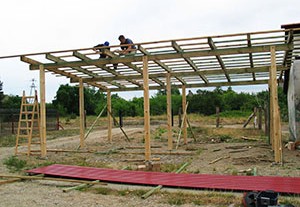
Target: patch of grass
{"x":14,"y":164}
{"x":177,"y":200}
{"x":62,"y":133}
{"x":103,"y":191}
{"x":169,"y":167}
{"x":8,"y":141}
{"x":294,"y":200}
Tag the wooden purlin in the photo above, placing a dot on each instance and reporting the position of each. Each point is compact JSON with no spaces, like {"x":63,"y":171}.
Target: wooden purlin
{"x":214,"y":47}
{"x":189,"y":61}
{"x":58,"y":60}
{"x":168,"y":56}
{"x":60,"y":72}
{"x":194,"y":62}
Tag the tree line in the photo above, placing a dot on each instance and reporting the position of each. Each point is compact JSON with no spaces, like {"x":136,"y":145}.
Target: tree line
{"x":202,"y":102}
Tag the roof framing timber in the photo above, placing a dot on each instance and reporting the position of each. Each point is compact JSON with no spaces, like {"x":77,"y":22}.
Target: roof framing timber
{"x":223,"y":60}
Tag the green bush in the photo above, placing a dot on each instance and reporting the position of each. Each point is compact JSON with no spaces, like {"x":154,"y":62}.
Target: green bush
{"x":14,"y":164}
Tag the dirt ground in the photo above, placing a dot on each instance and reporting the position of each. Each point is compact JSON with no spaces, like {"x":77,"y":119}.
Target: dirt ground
{"x":239,"y":157}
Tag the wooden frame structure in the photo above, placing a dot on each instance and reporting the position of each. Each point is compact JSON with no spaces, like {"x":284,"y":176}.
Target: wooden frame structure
{"x":224,"y":60}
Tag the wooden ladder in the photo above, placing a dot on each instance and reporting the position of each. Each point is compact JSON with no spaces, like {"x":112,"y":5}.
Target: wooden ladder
{"x":29,"y":124}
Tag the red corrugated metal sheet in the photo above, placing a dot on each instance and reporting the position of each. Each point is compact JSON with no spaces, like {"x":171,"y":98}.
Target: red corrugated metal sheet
{"x":198,"y":181}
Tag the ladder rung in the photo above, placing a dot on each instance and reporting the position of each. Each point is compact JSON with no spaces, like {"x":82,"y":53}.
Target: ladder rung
{"x":28,"y":104}
{"x":23,"y":135}
{"x":29,"y":96}
{"x":29,"y":112}
{"x":24,"y":128}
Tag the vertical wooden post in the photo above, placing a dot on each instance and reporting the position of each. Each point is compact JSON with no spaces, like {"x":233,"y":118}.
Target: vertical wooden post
{"x":81,"y":112}
{"x":169,"y":112}
{"x":109,"y":117}
{"x":218,"y":117}
{"x":146,"y":110}
{"x":184,"y":120}
{"x":259,"y":118}
{"x":43,"y":112}
{"x":275,"y":124}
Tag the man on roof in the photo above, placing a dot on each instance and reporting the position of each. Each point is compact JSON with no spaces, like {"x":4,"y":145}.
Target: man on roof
{"x":101,"y":50}
{"x":128,"y":48}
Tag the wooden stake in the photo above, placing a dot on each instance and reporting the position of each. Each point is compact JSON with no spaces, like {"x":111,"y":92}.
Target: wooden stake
{"x":49,"y":178}
{"x":146,"y":109}
{"x":218,"y":159}
{"x":115,"y":120}
{"x":78,"y":187}
{"x":184,"y":106}
{"x":218,"y":117}
{"x":149,"y":193}
{"x":191,"y":129}
{"x":169,"y":112}
{"x":43,"y":112}
{"x":182,"y":124}
{"x":109,"y":117}
{"x":81,"y":112}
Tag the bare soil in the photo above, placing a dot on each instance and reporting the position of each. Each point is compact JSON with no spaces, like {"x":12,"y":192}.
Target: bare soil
{"x":239,"y":156}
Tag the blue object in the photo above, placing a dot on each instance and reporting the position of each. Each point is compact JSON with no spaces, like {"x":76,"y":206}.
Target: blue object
{"x":106,"y":43}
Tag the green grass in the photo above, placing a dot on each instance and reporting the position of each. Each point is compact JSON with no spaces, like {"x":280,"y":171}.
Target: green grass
{"x":8,"y":141}
{"x":14,"y":164}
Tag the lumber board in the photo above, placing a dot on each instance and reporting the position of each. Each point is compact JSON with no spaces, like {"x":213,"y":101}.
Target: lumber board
{"x":25,"y":177}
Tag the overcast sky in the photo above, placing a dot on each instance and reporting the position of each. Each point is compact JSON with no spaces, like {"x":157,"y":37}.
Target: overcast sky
{"x":47,"y":25}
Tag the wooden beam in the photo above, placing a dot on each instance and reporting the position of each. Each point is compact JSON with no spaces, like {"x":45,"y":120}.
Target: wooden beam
{"x":189,"y":61}
{"x":107,"y":69}
{"x":192,"y":73}
{"x":130,"y":65}
{"x":30,"y":61}
{"x":161,"y":64}
{"x":214,"y":48}
{"x":274,"y":110}
{"x":138,"y":58}
{"x":200,"y":85}
{"x":109,"y":117}
{"x":169,"y":112}
{"x":288,"y":53}
{"x":79,"y":69}
{"x":250,"y":55}
{"x":146,"y":110}
{"x":81,"y":113}
{"x":43,"y":136}
{"x":185,"y":112}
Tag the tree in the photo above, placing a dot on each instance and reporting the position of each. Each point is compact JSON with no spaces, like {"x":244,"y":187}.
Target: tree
{"x":1,"y":93}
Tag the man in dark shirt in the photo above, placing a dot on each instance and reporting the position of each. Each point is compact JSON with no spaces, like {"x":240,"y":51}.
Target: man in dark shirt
{"x":128,"y":49}
{"x":101,"y":50}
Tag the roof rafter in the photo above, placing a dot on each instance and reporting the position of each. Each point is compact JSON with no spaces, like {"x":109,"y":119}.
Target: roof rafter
{"x":250,"y":55}
{"x":189,"y":61}
{"x":161,"y":64}
{"x":85,"y":58}
{"x":134,"y":67}
{"x":127,"y":59}
{"x":214,"y":47}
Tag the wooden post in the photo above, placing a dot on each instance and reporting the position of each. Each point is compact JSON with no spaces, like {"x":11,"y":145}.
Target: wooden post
{"x":179,"y":116}
{"x":146,"y":109}
{"x":259,"y":118}
{"x":274,"y":108}
{"x":81,"y":112}
{"x":218,"y":117}
{"x":109,"y":117}
{"x":43,"y":112}
{"x":169,"y":112}
{"x":184,"y":120}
